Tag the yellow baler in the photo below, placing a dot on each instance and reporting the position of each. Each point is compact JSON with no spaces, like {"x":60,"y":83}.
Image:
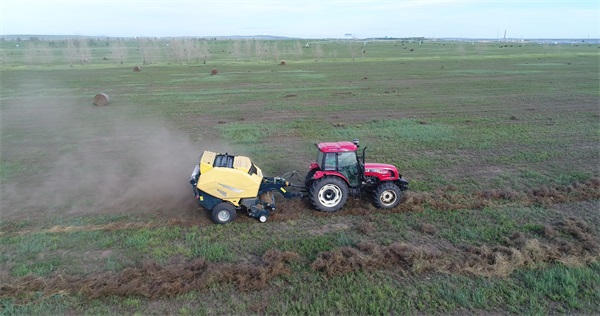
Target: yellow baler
{"x":226,"y":183}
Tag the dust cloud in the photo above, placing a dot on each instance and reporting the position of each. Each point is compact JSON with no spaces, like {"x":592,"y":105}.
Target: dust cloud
{"x":136,"y":167}
{"x":68,"y":157}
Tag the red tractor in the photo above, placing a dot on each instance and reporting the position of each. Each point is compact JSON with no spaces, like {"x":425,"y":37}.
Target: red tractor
{"x":338,"y":172}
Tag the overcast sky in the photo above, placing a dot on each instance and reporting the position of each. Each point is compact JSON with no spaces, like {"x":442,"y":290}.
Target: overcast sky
{"x":307,"y":19}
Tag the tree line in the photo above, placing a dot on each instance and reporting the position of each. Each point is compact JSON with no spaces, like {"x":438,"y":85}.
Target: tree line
{"x":79,"y":50}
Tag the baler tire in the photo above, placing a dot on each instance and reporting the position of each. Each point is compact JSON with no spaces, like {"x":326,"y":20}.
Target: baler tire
{"x":328,"y":194}
{"x":387,"y":195}
{"x":223,"y":213}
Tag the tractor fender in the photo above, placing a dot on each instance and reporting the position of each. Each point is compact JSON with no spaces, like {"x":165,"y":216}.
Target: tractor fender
{"x":321,"y":174}
{"x":402,"y":184}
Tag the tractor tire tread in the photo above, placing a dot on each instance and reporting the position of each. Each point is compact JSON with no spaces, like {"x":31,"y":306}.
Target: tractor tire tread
{"x":318,"y":184}
{"x":385,"y":186}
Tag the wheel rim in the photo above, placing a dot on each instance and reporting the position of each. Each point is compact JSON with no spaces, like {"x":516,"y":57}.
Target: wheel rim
{"x":223,"y":216}
{"x":388,"y":197}
{"x":262,"y":218}
{"x":330,"y":195}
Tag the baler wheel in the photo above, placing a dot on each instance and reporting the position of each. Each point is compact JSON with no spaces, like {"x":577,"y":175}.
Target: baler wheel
{"x":223,"y":213}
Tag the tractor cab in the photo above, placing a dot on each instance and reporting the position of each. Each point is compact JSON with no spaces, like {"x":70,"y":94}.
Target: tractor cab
{"x":340,"y":157}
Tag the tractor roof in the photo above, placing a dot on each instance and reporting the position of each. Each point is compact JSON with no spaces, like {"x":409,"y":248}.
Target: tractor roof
{"x":336,"y":147}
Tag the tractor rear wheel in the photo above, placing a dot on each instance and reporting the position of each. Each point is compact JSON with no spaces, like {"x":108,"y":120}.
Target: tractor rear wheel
{"x":223,"y":213}
{"x":387,"y":195}
{"x":308,"y":181}
{"x":328,"y":194}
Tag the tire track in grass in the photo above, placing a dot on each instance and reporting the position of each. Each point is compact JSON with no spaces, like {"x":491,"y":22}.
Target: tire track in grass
{"x":444,"y":199}
{"x":151,"y":280}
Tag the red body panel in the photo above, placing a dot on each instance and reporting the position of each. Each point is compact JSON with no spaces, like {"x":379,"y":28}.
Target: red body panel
{"x":336,"y":147}
{"x":321,"y":174}
{"x":382,"y":171}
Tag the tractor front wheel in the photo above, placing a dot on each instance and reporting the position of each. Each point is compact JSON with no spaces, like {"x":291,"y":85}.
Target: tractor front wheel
{"x":387,"y":195}
{"x":328,"y":194}
{"x":223,"y":213}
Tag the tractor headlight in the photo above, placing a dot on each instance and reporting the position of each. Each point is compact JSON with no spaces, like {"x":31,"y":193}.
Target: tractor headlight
{"x":379,"y":171}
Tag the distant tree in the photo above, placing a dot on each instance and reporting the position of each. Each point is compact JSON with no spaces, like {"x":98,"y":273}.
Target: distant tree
{"x":118,"y":50}
{"x":190,"y":50}
{"x":45,"y":52}
{"x":298,"y":50}
{"x":275,"y":51}
{"x":31,"y":54}
{"x":248,"y":48}
{"x":317,"y":51}
{"x":259,"y":49}
{"x":177,"y":50}
{"x":204,"y":51}
{"x":236,"y":49}
{"x":353,"y":48}
{"x":266,"y":50}
{"x":77,"y":50}
{"x":149,"y":50}
{"x":70,"y":51}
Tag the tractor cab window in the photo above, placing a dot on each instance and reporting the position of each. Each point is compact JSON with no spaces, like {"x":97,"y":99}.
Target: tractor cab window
{"x":348,"y":165}
{"x":347,"y":159}
{"x":329,"y":162}
{"x":320,"y":157}
{"x":326,"y":161}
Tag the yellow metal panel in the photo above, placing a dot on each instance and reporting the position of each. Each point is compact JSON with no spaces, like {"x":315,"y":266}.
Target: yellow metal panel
{"x":242,"y":163}
{"x":229,"y":184}
{"x":206,"y":161}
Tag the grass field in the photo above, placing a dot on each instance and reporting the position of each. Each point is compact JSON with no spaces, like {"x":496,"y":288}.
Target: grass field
{"x":500,"y":143}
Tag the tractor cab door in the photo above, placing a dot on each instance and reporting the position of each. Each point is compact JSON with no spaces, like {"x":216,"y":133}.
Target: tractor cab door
{"x":349,"y":166}
{"x":345,"y":163}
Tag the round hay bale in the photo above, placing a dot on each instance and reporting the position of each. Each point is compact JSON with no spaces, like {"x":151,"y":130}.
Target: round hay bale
{"x":282,"y":63}
{"x":214,"y":71}
{"x":137,"y":69}
{"x":101,"y":99}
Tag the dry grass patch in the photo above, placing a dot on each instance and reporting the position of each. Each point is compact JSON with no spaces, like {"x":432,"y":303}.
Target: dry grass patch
{"x":152,"y":280}
{"x":489,"y":261}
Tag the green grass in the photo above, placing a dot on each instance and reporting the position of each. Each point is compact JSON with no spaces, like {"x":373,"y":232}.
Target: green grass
{"x":557,"y":289}
{"x":472,"y":116}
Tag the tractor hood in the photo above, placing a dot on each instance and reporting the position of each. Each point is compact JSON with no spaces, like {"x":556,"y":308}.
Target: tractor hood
{"x":381,"y":171}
